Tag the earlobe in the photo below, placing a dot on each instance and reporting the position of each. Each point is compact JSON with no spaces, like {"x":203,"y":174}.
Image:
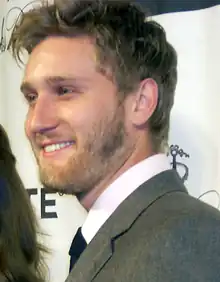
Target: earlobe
{"x":145,"y":102}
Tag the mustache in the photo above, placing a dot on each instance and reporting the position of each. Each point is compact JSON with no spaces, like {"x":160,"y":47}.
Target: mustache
{"x":39,"y":139}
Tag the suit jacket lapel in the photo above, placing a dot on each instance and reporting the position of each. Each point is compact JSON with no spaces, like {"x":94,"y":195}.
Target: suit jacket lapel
{"x":100,"y":250}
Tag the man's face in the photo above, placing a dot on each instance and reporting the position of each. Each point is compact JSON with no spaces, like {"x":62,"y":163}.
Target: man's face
{"x":75,"y":123}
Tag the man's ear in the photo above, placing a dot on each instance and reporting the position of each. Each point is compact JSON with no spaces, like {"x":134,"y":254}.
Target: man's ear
{"x":144,"y":102}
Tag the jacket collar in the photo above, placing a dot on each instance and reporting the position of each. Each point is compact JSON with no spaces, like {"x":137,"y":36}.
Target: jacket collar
{"x":101,"y":248}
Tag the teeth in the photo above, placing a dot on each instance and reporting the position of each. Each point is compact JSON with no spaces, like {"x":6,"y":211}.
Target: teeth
{"x":56,"y":147}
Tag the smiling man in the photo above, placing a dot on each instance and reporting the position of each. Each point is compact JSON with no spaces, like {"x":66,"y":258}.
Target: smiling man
{"x":100,"y":83}
{"x":75,"y":120}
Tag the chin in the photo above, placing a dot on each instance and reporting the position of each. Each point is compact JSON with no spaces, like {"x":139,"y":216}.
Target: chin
{"x":56,"y":185}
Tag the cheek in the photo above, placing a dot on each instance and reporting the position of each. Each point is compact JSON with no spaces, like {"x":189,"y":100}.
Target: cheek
{"x":79,"y":116}
{"x":27,"y":125}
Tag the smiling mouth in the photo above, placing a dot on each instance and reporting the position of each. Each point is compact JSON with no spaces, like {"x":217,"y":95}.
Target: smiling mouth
{"x":56,"y":147}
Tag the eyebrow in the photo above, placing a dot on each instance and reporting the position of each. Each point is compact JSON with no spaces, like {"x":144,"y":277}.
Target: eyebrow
{"x":50,"y":80}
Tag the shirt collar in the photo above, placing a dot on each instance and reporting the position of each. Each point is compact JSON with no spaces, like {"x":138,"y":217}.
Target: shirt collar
{"x":119,"y":190}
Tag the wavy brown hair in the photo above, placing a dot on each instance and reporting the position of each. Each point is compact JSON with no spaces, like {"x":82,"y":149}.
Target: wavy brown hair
{"x":21,"y":255}
{"x":129,"y":43}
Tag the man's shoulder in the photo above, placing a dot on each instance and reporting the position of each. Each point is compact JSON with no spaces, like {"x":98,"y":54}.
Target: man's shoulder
{"x":176,"y":238}
{"x":2,"y":278}
{"x":177,"y":215}
{"x":183,"y":205}
{"x":177,"y":229}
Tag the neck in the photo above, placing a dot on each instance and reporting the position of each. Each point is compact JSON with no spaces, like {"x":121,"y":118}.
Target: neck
{"x":89,"y":199}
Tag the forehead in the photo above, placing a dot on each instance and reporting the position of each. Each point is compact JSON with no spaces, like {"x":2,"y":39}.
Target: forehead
{"x":57,"y":56}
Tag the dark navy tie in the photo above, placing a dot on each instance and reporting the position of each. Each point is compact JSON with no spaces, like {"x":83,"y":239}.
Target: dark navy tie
{"x":77,"y":247}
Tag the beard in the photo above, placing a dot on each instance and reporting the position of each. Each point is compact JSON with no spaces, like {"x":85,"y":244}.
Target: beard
{"x":105,"y":150}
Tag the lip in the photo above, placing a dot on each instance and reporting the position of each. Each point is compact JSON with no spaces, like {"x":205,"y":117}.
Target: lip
{"x":47,"y":154}
{"x":48,"y":143}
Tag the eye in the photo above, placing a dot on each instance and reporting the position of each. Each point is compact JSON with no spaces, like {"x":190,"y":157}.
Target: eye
{"x":64,"y":90}
{"x":30,"y":98}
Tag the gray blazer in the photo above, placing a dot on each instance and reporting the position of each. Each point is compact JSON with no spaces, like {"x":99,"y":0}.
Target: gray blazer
{"x":2,"y":278}
{"x":158,"y":234}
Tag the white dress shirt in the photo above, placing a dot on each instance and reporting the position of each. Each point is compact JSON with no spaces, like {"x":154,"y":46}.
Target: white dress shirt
{"x":119,"y":190}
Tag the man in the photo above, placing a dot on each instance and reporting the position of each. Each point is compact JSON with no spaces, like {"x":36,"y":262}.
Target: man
{"x":100,"y":83}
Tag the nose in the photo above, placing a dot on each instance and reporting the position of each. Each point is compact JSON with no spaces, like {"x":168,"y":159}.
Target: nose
{"x":43,"y":117}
